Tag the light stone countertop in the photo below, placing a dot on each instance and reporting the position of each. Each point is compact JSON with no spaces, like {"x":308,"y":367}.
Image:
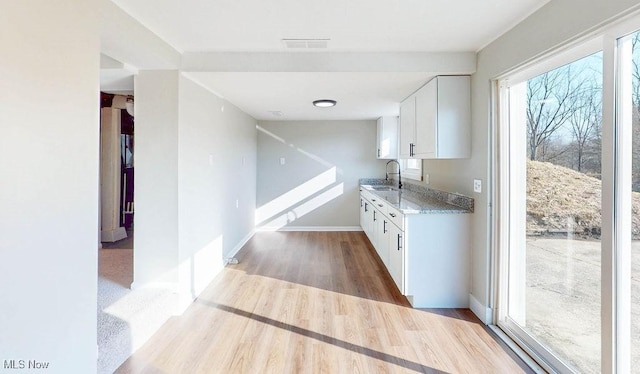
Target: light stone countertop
{"x":416,"y":199}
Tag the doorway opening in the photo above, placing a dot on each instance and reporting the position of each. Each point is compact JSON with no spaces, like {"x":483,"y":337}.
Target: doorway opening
{"x":117,"y":170}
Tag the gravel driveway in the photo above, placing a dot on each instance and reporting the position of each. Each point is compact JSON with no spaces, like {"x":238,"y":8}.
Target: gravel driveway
{"x":563,"y":299}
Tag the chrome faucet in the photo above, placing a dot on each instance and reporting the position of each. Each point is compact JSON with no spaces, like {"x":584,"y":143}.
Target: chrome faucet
{"x":386,"y":170}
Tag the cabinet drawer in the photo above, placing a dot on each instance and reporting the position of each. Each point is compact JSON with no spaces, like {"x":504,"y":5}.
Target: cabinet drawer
{"x":381,"y":205}
{"x":367,"y":196}
{"x":374,"y":200}
{"x":396,"y":217}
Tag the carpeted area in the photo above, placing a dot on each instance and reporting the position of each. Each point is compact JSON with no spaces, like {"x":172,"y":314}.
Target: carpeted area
{"x":126,"y":318}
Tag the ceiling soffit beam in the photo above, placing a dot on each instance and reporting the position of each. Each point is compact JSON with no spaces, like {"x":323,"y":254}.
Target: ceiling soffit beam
{"x":403,"y":62}
{"x":107,"y":62}
{"x":125,"y":39}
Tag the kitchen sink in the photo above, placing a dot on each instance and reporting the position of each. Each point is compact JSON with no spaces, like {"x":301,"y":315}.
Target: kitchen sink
{"x":382,"y":188}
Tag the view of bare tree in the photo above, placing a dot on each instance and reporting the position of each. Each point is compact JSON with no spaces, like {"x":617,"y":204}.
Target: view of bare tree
{"x":550,"y":103}
{"x":585,"y":121}
{"x":564,"y":116}
{"x":635,"y":46}
{"x":635,"y":72}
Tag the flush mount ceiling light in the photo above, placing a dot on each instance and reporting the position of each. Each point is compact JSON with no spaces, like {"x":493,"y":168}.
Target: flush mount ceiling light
{"x":324,"y":103}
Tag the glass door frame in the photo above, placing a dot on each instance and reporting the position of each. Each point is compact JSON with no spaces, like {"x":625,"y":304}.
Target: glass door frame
{"x":616,"y":197}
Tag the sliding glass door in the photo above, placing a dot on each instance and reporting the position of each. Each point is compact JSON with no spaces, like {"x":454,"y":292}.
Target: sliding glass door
{"x":568,"y":206}
{"x":553,"y":299}
{"x":628,"y":104}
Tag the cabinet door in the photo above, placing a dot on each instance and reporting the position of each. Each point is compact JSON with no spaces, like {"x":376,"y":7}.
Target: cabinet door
{"x":387,"y":138}
{"x":407,"y":127}
{"x":368,"y":221}
{"x":382,"y":238}
{"x":362,"y":213}
{"x":396,"y":256}
{"x":427,"y":120}
{"x":454,"y":117}
{"x":375,"y":228}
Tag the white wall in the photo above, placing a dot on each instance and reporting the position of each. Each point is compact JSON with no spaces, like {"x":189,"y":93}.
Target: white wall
{"x":318,"y":184}
{"x":49,"y":157}
{"x":217,"y":168}
{"x":195,"y":158}
{"x":557,"y":22}
{"x":156,"y":177}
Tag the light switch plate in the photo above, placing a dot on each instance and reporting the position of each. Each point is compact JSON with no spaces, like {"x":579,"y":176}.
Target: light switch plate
{"x":282,"y":161}
{"x":477,"y":185}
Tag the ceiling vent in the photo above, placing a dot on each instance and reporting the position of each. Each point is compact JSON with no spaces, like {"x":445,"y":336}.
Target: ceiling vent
{"x":306,"y":43}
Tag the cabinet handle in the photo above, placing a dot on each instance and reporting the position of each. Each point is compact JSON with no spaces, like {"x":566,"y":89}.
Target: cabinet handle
{"x":399,"y":241}
{"x":374,"y":216}
{"x":411,"y":153}
{"x":360,"y":203}
{"x":373,"y":199}
{"x":378,"y":152}
{"x":380,"y":205}
{"x":392,"y":215}
{"x":366,"y":206}
{"x":384,"y":226}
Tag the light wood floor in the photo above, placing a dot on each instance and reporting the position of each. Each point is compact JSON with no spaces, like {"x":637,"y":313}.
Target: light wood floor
{"x":316,"y":302}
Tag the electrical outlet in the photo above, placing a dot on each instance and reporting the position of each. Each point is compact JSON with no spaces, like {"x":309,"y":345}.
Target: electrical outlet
{"x":477,"y":185}
{"x":237,"y":203}
{"x":282,"y":161}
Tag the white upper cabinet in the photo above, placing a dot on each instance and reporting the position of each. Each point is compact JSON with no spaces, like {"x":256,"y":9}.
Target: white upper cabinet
{"x":388,"y":137}
{"x":436,"y":120}
{"x":427,"y":121}
{"x":407,"y":133}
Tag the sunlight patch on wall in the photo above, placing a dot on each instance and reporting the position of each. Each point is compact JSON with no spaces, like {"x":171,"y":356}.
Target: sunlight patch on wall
{"x":316,"y":158}
{"x":208,"y":262}
{"x":276,"y":137}
{"x":305,"y":208}
{"x":198,"y":268}
{"x":296,"y":195}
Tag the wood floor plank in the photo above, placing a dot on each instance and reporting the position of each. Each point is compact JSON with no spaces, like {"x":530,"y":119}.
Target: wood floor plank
{"x":316,"y":302}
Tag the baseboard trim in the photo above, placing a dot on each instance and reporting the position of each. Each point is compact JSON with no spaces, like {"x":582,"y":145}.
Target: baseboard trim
{"x":239,"y":246}
{"x":484,"y":313}
{"x":114,"y":235}
{"x":310,"y":228}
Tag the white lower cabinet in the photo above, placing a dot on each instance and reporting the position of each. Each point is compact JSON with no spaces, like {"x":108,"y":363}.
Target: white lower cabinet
{"x":362,"y":214}
{"x":382,"y":237}
{"x":427,"y":255}
{"x":396,"y":256}
{"x":366,"y":218}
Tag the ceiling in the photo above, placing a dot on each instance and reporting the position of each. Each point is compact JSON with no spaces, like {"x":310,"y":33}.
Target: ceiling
{"x":278,"y":96}
{"x":354,"y":26}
